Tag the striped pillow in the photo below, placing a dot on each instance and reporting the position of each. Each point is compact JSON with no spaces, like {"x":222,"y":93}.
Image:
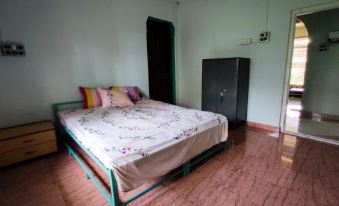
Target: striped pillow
{"x":91,"y":97}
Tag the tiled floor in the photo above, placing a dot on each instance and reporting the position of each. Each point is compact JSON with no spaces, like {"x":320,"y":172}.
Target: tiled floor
{"x":259,"y":170}
{"x":294,"y":123}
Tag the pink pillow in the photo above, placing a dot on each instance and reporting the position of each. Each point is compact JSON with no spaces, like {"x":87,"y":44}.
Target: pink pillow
{"x":114,"y":98}
{"x":132,"y":92}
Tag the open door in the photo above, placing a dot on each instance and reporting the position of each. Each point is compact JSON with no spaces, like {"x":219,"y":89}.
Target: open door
{"x":160,"y":50}
{"x":312,"y":112}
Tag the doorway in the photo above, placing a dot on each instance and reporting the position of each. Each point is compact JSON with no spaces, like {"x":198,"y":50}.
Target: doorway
{"x":297,"y":77}
{"x":310,"y":97}
{"x":160,"y":52}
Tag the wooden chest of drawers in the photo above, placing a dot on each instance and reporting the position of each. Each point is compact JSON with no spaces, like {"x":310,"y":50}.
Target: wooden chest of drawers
{"x":27,"y":141}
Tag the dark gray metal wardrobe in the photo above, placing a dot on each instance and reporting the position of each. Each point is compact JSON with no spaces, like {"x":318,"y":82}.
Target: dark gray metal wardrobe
{"x":225,"y":88}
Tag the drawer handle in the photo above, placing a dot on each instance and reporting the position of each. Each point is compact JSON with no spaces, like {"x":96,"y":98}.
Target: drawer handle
{"x":28,"y":141}
{"x":30,"y":152}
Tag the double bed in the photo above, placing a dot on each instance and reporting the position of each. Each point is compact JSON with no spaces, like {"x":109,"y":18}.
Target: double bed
{"x":137,"y":143}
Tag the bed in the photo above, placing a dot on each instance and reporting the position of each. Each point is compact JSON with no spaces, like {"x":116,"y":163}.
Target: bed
{"x":141,"y":142}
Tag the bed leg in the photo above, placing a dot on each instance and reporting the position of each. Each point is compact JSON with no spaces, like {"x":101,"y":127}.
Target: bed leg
{"x":70,"y":153}
{"x":227,"y":144}
{"x":115,"y":201}
{"x":186,"y":167}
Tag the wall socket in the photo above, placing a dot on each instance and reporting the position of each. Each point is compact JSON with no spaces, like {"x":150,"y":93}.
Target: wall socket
{"x":265,"y":37}
{"x":9,"y":48}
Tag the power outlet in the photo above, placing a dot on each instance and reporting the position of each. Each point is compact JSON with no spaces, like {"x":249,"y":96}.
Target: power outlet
{"x":264,"y":37}
{"x":9,"y":48}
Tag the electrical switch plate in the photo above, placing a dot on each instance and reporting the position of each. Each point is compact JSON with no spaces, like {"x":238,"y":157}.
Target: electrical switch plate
{"x":245,"y":41}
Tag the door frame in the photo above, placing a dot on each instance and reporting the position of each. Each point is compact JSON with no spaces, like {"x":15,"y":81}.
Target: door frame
{"x":294,"y":14}
{"x":174,"y":95}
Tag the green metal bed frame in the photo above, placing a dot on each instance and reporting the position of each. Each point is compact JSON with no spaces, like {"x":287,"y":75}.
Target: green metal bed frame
{"x":112,"y":196}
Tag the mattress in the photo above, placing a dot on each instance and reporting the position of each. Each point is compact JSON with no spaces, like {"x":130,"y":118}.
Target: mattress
{"x":144,"y":141}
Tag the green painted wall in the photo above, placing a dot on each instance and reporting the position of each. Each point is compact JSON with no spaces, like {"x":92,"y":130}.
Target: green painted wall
{"x":71,"y":43}
{"x":103,"y":42}
{"x":209,"y":29}
{"x":322,"y":73}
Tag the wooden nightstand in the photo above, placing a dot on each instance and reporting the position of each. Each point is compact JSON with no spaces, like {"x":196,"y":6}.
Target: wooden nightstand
{"x":26,"y":141}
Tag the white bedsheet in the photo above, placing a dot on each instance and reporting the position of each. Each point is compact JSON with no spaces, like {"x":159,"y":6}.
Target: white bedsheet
{"x":146,"y":140}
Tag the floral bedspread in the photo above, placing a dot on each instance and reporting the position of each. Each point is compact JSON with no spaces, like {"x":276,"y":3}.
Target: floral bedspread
{"x":120,"y":137}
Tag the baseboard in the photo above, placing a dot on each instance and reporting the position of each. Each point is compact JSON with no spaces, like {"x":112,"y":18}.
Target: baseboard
{"x":263,"y":126}
{"x":320,"y":117}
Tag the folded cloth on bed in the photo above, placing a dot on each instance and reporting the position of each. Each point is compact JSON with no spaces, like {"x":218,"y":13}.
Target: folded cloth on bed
{"x":146,"y":140}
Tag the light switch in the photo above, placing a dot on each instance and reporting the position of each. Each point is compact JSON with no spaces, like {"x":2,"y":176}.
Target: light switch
{"x":245,"y":41}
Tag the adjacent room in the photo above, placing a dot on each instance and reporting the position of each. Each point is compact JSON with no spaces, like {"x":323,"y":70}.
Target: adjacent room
{"x":312,"y":107}
{"x":169,"y":102}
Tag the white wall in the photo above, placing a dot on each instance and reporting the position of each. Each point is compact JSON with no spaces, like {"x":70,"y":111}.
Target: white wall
{"x":71,"y":43}
{"x":322,"y":70}
{"x":209,"y":29}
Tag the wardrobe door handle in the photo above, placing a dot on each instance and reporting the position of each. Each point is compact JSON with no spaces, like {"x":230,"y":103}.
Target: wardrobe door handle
{"x":221,"y":96}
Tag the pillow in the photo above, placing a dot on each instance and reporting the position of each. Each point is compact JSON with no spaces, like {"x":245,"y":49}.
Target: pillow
{"x":132,"y":92}
{"x":114,"y":98}
{"x":91,"y":97}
